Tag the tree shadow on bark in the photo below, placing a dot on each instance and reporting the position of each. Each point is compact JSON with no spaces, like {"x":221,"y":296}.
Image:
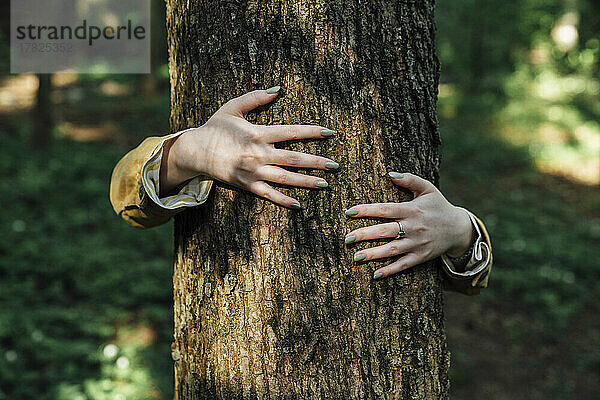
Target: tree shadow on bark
{"x":230,"y":231}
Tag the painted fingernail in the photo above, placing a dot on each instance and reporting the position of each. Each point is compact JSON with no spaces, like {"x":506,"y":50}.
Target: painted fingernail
{"x":296,"y":206}
{"x":332,"y":165}
{"x":273,"y":89}
{"x":377,"y":275}
{"x":359,"y":257}
{"x":349,"y":239}
{"x":321,"y":184}
{"x":327,"y":132}
{"x":351,"y":212}
{"x":395,"y":175}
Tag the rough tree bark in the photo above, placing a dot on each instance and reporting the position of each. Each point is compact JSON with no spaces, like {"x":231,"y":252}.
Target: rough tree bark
{"x":268,"y":302}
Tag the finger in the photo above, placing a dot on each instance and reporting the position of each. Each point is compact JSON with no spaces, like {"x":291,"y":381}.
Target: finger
{"x":379,"y":210}
{"x":373,"y":232}
{"x":301,"y":160}
{"x":412,"y":182}
{"x":245,"y":103}
{"x":405,"y":262}
{"x":393,"y":248}
{"x":275,"y":174}
{"x":279,"y":133}
{"x":265,"y":190}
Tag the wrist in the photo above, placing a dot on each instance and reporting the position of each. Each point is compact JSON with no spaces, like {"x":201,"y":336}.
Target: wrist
{"x":464,"y":237}
{"x":173,"y":168}
{"x":168,"y":168}
{"x":192,"y":153}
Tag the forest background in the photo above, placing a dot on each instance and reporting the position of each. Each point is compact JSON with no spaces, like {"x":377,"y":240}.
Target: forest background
{"x":86,"y":309}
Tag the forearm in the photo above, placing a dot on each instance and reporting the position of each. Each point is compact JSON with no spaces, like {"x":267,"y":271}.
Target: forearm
{"x":170,"y":176}
{"x":184,"y":158}
{"x":465,"y":234}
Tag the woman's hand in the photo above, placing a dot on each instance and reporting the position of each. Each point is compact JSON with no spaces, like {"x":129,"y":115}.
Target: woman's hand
{"x":431,"y":224}
{"x":231,"y":149}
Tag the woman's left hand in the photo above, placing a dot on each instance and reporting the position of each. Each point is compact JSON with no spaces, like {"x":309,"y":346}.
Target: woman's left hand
{"x":432,"y":226}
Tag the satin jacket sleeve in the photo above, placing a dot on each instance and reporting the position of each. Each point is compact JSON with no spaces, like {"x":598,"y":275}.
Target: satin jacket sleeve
{"x":135,"y":187}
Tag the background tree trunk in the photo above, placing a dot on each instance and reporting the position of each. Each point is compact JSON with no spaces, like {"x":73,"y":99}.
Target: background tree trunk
{"x":43,"y":112}
{"x":268,"y":302}
{"x":158,"y":53}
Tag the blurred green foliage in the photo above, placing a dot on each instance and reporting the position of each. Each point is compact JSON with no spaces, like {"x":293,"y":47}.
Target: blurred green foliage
{"x":86,"y":302}
{"x":533,"y":65}
{"x":520,"y":111}
{"x":74,"y":277}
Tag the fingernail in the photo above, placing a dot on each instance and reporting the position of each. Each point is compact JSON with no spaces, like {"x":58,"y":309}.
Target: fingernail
{"x":359,"y":257}
{"x":351,"y":212}
{"x":332,"y":165}
{"x":349,"y":239}
{"x":321,"y":184}
{"x":296,"y":206}
{"x":327,"y":132}
{"x":273,"y":89}
{"x":395,"y":175}
{"x":377,"y":275}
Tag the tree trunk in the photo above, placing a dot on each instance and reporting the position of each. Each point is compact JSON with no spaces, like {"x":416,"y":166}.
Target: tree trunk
{"x":43,"y":112}
{"x":150,"y":82}
{"x":268,"y":302}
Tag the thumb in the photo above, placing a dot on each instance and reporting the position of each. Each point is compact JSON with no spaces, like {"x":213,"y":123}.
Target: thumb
{"x":245,"y":103}
{"x":412,"y":182}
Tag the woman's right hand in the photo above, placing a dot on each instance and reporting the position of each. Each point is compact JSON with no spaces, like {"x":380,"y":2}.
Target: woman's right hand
{"x":232,"y":150}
